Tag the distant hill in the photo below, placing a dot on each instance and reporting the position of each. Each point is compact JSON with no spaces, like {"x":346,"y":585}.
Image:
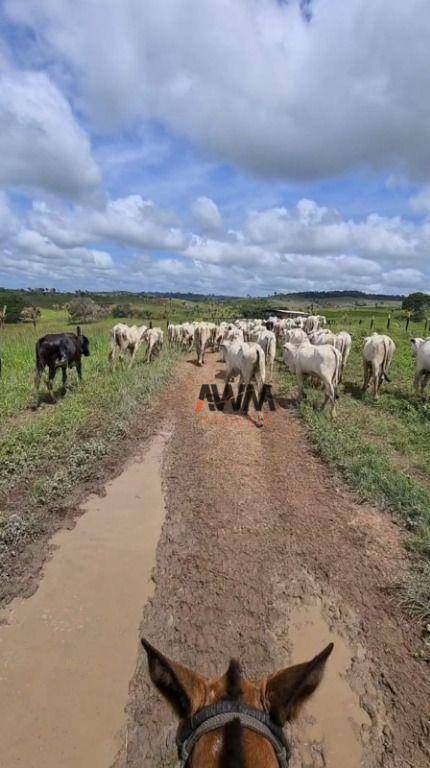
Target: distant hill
{"x":48,"y":298}
{"x":316,"y":295}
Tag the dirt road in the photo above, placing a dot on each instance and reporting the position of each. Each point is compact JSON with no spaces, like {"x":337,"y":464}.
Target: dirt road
{"x":264,"y":556}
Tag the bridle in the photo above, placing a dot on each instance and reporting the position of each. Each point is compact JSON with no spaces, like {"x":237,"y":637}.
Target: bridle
{"x":217,"y":716}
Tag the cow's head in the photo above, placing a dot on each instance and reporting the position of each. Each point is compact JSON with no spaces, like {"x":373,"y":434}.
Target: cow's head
{"x":290,"y":356}
{"x":83,"y":342}
{"x":415,"y":345}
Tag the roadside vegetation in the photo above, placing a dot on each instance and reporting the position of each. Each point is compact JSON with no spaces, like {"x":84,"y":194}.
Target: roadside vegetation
{"x":382,"y":448}
{"x":47,"y":453}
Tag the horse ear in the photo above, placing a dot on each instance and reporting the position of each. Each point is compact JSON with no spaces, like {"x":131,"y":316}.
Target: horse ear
{"x":184,"y":690}
{"x":78,"y":330}
{"x":288,"y":689}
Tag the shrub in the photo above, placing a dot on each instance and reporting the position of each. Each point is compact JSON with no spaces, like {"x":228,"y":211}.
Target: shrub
{"x":84,"y":309}
{"x":14,"y":305}
{"x":122,"y":310}
{"x":30,"y":315}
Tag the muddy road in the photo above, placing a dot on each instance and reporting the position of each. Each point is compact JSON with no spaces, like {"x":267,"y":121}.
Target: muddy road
{"x":255,"y":552}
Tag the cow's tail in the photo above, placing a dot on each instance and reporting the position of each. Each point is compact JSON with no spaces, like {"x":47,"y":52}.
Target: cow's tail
{"x":337,"y":372}
{"x":115,"y":341}
{"x":260,"y":368}
{"x":385,"y":362}
{"x":39,"y":361}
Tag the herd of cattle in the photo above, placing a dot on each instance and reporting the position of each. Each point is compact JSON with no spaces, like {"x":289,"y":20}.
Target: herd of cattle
{"x":248,"y":348}
{"x":310,"y":350}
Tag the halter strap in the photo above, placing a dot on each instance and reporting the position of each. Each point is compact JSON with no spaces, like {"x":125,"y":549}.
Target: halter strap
{"x":217,"y":716}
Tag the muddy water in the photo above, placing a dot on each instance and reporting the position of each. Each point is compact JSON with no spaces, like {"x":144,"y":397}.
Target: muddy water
{"x":333,"y":719}
{"x":68,"y":652}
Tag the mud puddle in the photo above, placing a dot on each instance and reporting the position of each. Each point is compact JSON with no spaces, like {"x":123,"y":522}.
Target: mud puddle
{"x":68,"y":652}
{"x":333,"y":723}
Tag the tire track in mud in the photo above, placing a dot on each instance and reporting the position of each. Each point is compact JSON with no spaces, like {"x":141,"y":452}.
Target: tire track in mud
{"x":263,"y":557}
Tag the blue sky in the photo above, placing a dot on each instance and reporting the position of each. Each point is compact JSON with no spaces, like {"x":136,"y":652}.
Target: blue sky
{"x":234,"y":147}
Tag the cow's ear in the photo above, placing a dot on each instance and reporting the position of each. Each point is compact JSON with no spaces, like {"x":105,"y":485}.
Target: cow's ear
{"x":286,"y":690}
{"x":78,"y":330}
{"x":184,"y":690}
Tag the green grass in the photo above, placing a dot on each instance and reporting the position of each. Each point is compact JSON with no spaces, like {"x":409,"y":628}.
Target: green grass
{"x":381,"y":448}
{"x":45,"y":454}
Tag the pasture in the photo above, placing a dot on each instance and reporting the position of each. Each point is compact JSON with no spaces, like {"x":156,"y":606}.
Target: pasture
{"x":218,"y":525}
{"x":48,"y":453}
{"x":382,"y":448}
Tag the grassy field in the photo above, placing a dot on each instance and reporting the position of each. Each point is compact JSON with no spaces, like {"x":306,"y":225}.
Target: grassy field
{"x":381,"y":448}
{"x":46,"y":453}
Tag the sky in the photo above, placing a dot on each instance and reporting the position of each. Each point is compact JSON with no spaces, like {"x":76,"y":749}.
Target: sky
{"x":241,"y":147}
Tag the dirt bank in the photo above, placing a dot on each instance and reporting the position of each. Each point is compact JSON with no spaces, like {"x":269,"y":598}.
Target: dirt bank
{"x":264,"y":556}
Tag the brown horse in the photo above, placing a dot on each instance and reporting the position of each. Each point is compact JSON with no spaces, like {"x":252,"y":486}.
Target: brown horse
{"x":230,"y":722}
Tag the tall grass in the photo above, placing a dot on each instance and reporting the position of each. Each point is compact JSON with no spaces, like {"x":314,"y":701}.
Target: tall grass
{"x":381,"y":448}
{"x":45,"y":454}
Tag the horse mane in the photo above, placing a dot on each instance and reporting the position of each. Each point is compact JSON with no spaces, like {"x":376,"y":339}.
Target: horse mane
{"x":232,"y":751}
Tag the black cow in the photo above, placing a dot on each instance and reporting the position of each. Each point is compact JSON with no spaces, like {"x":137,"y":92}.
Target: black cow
{"x":60,"y":350}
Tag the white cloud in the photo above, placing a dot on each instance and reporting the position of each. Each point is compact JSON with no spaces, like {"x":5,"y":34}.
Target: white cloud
{"x":251,"y":80}
{"x":303,"y":247}
{"x":420,"y":203}
{"x":127,"y":221}
{"x":41,"y":144}
{"x":8,"y":221}
{"x":206,"y":214}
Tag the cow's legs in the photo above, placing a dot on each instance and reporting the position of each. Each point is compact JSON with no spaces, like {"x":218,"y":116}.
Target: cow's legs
{"x":133,"y":350}
{"x":112,"y":353}
{"x":376,"y":381}
{"x":51,"y":377}
{"x":367,"y":372}
{"x":301,"y":387}
{"x":330,"y":397}
{"x":64,"y":375}
{"x":37,"y":379}
{"x":78,"y":369}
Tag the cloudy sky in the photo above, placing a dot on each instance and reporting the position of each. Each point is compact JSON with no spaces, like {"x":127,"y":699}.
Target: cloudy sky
{"x":228,"y":146}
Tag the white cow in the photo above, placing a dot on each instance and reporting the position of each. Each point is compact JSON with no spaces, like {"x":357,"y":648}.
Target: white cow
{"x":378,"y":353}
{"x":296,"y":336}
{"x":343,"y":343}
{"x":187,"y":335}
{"x":247,"y":360}
{"x":125,"y":338}
{"x":421,"y":350}
{"x":202,"y":337}
{"x":311,"y":324}
{"x":154,"y":339}
{"x":234,"y":334}
{"x":323,"y":362}
{"x":267,"y":341}
{"x":323,"y":337}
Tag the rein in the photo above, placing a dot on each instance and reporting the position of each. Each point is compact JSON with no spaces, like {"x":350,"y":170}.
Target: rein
{"x":217,"y":716}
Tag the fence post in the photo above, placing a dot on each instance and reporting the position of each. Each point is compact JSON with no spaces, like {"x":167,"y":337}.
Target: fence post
{"x":372,"y":320}
{"x":388,"y":322}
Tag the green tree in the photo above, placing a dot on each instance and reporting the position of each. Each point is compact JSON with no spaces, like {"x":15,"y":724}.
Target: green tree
{"x":416,"y":302}
{"x":14,"y":305}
